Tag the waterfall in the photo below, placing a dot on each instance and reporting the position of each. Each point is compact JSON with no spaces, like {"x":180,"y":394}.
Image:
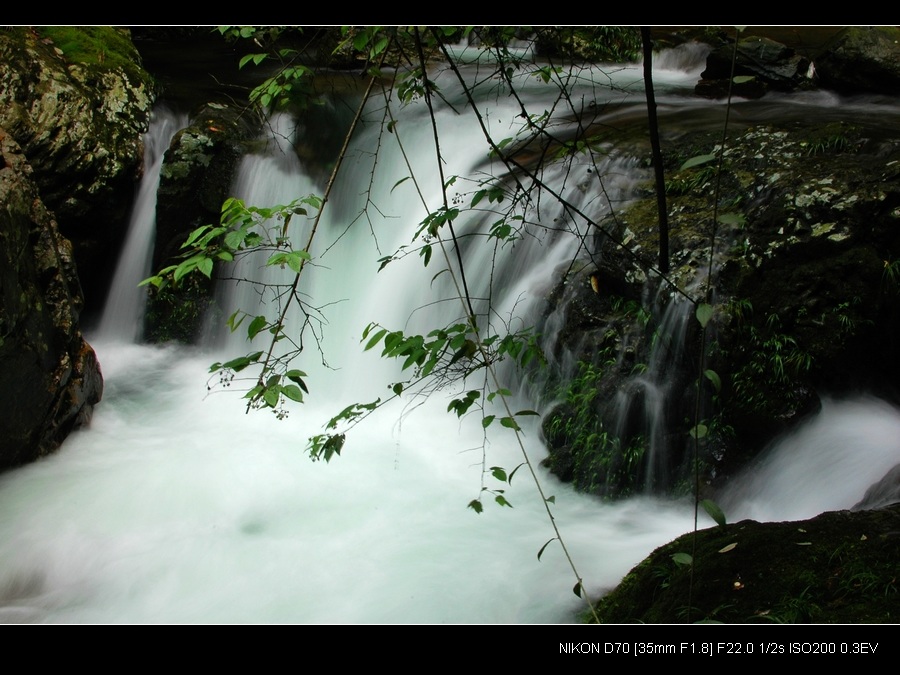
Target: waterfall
{"x":178,"y":506}
{"x":856,"y":439}
{"x":123,"y":313}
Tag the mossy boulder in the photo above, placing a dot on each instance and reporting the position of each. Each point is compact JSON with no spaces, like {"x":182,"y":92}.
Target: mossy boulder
{"x":195,"y":179}
{"x":805,"y":303}
{"x":862,"y":59}
{"x":77,"y":102}
{"x":839,"y":567}
{"x":49,"y":375}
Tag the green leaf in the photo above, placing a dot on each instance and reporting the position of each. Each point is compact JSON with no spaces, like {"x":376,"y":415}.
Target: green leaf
{"x":195,"y":235}
{"x":551,"y":499}
{"x":256,"y":326}
{"x":206,"y":267}
{"x":293,"y":259}
{"x":699,"y":431}
{"x":486,"y":421}
{"x":576,"y":589}
{"x":271,"y":396}
{"x":713,"y":377}
{"x":375,"y":339}
{"x":293,"y":392}
{"x":402,"y":180}
{"x":379,"y":46}
{"x":234,"y":320}
{"x":499,"y":473}
{"x":152,"y":281}
{"x":499,"y":392}
{"x":256,"y":58}
{"x":741,"y":79}
{"x":714,"y":511}
{"x":698,"y":161}
{"x":241,"y":362}
{"x":682,"y":559}
{"x":185,"y":268}
{"x":732,"y":219}
{"x":476,"y":505}
{"x":510,"y":423}
{"x":501,"y":500}
{"x":513,"y":473}
{"x":704,"y":313}
{"x":541,"y":552}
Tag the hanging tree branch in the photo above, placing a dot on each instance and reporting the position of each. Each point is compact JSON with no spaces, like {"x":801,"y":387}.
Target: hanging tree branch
{"x":657,"y":154}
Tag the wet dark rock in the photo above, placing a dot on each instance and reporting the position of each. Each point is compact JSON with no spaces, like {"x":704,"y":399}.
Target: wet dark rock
{"x":839,"y":567}
{"x":807,"y":284}
{"x":761,"y":65}
{"x":862,"y":59}
{"x":196,"y":178}
{"x":49,"y":376}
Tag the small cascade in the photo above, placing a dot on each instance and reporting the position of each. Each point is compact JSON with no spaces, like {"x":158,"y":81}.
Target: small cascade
{"x":268,"y":177}
{"x":688,"y":57}
{"x":123,"y":313}
{"x":827,"y":463}
{"x":626,"y":355}
{"x":649,"y":401}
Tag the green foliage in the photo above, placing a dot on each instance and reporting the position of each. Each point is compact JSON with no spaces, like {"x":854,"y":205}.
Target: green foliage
{"x":699,"y":160}
{"x":454,"y":350}
{"x":891,"y":275}
{"x":597,"y":453}
{"x":241,"y":230}
{"x":682,"y":559}
{"x":775,"y":361}
{"x":800,"y":608}
{"x":686,"y":182}
{"x":714,"y":511}
{"x":102,"y":47}
{"x":616,"y":44}
{"x":292,"y":84}
{"x":704,"y":313}
{"x":830,"y":139}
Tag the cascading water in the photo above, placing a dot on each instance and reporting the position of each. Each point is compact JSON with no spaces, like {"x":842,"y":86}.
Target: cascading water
{"x":123,"y":313}
{"x":856,"y":439}
{"x":175,"y":506}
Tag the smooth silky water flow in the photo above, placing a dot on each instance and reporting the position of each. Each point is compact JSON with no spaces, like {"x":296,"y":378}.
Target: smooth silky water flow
{"x":175,"y":505}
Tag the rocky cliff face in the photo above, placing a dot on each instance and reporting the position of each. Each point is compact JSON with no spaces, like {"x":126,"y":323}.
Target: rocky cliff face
{"x":74,"y":104}
{"x":79,"y":117}
{"x":806,"y":280}
{"x":49,"y":375}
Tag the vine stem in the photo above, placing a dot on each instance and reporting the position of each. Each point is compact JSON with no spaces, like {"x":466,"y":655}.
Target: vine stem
{"x":292,"y":292}
{"x":707,"y":299}
{"x":465,"y":301}
{"x":514,"y":166}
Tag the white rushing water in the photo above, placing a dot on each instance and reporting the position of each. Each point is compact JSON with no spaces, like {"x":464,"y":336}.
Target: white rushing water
{"x":123,"y":314}
{"x":176,"y":506}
